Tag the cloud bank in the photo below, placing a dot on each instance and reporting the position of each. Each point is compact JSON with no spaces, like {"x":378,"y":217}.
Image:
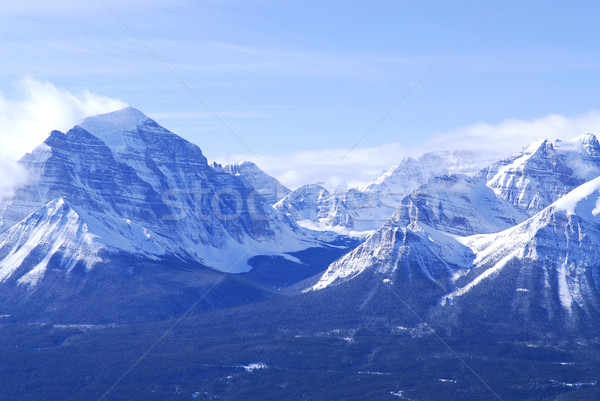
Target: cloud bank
{"x":512,"y":135}
{"x":327,"y":167}
{"x":362,"y":165}
{"x":37,"y":108}
{"x":29,"y":114}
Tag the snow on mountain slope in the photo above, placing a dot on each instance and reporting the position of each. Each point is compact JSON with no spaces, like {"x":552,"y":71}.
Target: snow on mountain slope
{"x":315,"y":208}
{"x":81,"y":168}
{"x":421,"y":234}
{"x":582,"y":155}
{"x":117,"y":129}
{"x":207,"y":206}
{"x":459,"y":205}
{"x":545,"y":270}
{"x":463,"y":237}
{"x":60,"y":233}
{"x":361,"y":211}
{"x":157,"y":180}
{"x":265,"y":185}
{"x":158,"y":156}
{"x":544,"y":171}
{"x":553,"y":256}
{"x":40,"y":236}
{"x":414,"y":252}
{"x":313,"y":203}
{"x":386,"y":192}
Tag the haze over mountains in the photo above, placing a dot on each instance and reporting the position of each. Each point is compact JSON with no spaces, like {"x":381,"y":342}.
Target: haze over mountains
{"x":124,"y":222}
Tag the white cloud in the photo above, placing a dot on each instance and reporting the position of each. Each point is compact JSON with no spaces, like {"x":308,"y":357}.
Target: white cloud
{"x":11,"y":175}
{"x":27,"y":118}
{"x":39,"y":107}
{"x":512,"y":135}
{"x":362,"y":165}
{"x":327,"y":167}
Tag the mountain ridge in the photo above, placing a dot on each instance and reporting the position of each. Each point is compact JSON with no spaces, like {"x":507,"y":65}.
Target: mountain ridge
{"x":545,"y":266}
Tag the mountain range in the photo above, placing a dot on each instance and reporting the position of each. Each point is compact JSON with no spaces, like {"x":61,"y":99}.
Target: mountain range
{"x":123,"y":225}
{"x":360,"y":211}
{"x":521,"y":234}
{"x":119,"y":188}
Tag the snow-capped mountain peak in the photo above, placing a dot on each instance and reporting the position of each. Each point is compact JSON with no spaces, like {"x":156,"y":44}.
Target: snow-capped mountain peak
{"x":553,"y":254}
{"x":361,"y":211}
{"x":153,"y":192}
{"x":473,"y":243}
{"x":155,"y":153}
{"x":544,"y":171}
{"x":110,"y":126}
{"x":586,"y":143}
{"x":56,"y":230}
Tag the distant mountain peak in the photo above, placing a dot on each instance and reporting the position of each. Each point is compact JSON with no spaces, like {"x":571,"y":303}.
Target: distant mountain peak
{"x":587,"y":138}
{"x":544,"y":171}
{"x":247,"y":163}
{"x":586,"y":144}
{"x":265,"y":185}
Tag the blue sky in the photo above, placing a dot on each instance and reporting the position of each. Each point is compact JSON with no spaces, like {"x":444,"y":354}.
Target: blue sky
{"x":312,"y":76}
